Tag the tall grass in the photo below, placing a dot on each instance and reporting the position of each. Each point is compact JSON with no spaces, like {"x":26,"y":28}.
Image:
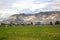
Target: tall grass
{"x":35,"y":32}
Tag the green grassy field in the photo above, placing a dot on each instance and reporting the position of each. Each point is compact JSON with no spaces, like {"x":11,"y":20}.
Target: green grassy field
{"x":35,"y":32}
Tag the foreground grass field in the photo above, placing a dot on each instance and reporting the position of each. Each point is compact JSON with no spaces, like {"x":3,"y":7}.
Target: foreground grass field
{"x":36,"y":32}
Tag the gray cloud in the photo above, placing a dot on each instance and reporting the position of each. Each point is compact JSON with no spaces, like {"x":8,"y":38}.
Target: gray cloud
{"x":14,"y":5}
{"x":54,"y":5}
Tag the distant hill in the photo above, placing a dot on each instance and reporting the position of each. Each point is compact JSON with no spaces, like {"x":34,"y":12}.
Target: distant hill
{"x":43,"y":17}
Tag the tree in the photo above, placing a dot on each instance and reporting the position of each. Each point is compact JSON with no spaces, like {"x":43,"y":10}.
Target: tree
{"x":57,"y":23}
{"x":51,"y":23}
{"x":31,"y":23}
{"x":38,"y":23}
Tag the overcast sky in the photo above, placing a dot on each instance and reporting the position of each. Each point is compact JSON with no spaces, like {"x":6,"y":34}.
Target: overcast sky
{"x":16,"y":6}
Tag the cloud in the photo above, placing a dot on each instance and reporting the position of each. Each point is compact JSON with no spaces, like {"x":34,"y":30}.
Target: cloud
{"x":54,"y":5}
{"x":38,"y":6}
{"x":7,"y":12}
{"x":56,"y":1}
{"x":32,"y":5}
{"x":16,"y":6}
{"x":42,"y":1}
{"x":22,"y":4}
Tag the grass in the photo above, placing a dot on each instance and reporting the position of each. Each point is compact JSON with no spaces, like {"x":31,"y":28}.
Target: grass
{"x":35,"y":32}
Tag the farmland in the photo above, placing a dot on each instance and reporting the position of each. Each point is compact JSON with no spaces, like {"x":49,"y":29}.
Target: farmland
{"x":30,"y":32}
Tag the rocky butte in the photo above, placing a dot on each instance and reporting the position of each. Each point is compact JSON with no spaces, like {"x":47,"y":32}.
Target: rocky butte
{"x":41,"y":17}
